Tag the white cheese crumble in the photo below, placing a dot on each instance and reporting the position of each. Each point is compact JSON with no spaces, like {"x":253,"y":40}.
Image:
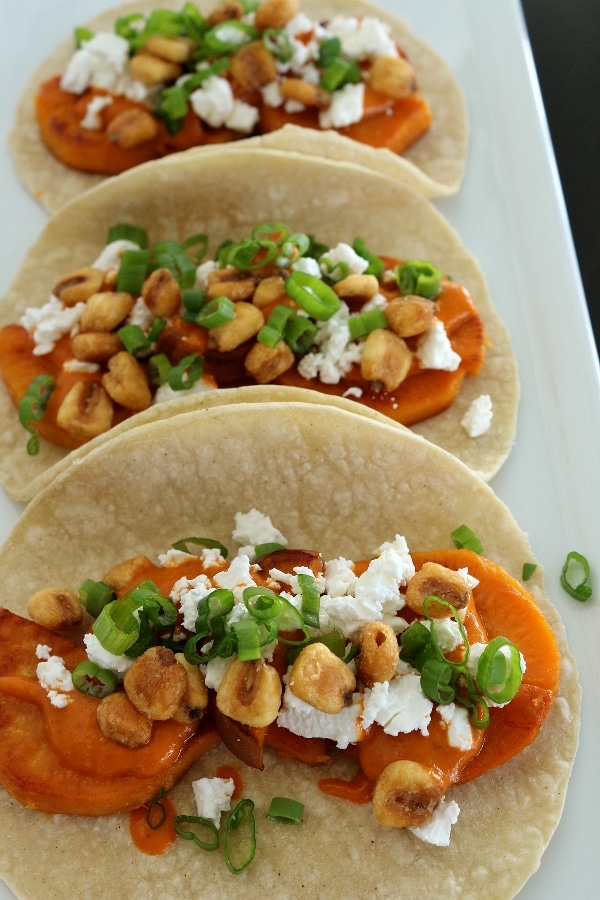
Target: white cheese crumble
{"x":164,"y":393}
{"x":303,"y":719}
{"x":309,"y":265}
{"x":188,"y":594}
{"x":478,"y":418}
{"x":456,"y":717}
{"x":53,"y":676}
{"x":215,"y":104}
{"x":48,"y":323}
{"x":336,"y":352}
{"x":236,"y":578}
{"x":343,"y":254}
{"x":253,"y":528}
{"x":103,"y":658}
{"x":399,"y":706}
{"x":103,"y":62}
{"x":346,"y":107}
{"x":213,"y":797}
{"x":110,"y":256}
{"x":362,"y":38}
{"x":437,"y":829}
{"x":435,"y":350}
{"x":92,"y":120}
{"x":79,"y":365}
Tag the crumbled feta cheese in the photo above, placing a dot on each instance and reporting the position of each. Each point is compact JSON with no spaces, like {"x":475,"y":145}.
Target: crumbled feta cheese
{"x":271,"y":94}
{"x":48,"y":323}
{"x":399,"y":706}
{"x":53,"y":676}
{"x":293,"y":106}
{"x":303,"y":719}
{"x":470,"y":580}
{"x":202,"y":273}
{"x":213,"y":101}
{"x":336,"y":352}
{"x":236,"y":577}
{"x":102,"y":62}
{"x":79,"y":365}
{"x":253,"y":528}
{"x":456,"y":717}
{"x":165,"y":393}
{"x":140,"y":315}
{"x":173,"y":557}
{"x":309,"y":265}
{"x":213,"y":797}
{"x":92,"y":120}
{"x":188,"y":593}
{"x":343,"y":254}
{"x":243,"y":117}
{"x":110,"y":257}
{"x":97,"y":654}
{"x":340,"y":578}
{"x":437,"y":830}
{"x":299,"y":24}
{"x":478,"y":418}
{"x":353,"y":392}
{"x":346,"y":107}
{"x":362,"y":38}
{"x":215,"y":669}
{"x":435,"y":350}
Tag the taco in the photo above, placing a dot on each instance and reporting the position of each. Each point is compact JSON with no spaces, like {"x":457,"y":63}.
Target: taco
{"x":199,"y":193}
{"x":375,"y":487}
{"x":148,"y":79}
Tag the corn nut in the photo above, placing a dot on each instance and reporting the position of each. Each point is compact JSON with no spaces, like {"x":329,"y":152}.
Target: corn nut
{"x":438,"y":581}
{"x":250,"y":693}
{"x":86,"y":411}
{"x":155,"y":683}
{"x":120,"y":721}
{"x":378,"y":653}
{"x":55,"y":608}
{"x":322,"y":679}
{"x":406,"y":794}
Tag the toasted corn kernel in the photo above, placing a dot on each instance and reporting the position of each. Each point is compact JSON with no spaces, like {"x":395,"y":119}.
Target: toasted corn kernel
{"x":120,"y":721}
{"x":270,"y":290}
{"x":162,"y":293}
{"x":304,"y":92}
{"x":265,"y":363}
{"x":78,"y":286}
{"x":275,"y":13}
{"x":86,"y":411}
{"x":195,"y":696}
{"x":126,"y":382}
{"x":155,"y":683}
{"x":152,"y":70}
{"x":247,"y":322}
{"x":378,"y":653}
{"x":406,"y":794}
{"x":55,"y":608}
{"x":321,"y":678}
{"x":357,"y":286}
{"x":131,"y":128}
{"x":175,"y":49}
{"x":121,"y":575}
{"x":250,"y":693}
{"x":95,"y":346}
{"x":106,"y":310}
{"x":253,"y":66}
{"x":386,"y":359}
{"x":393,"y":76}
{"x":407,"y":316}
{"x":438,"y":581}
{"x":225,"y":12}
{"x":229,"y":283}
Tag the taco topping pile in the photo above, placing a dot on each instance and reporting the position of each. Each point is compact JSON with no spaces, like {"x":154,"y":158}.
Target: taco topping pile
{"x":169,"y":81}
{"x":406,"y":663}
{"x":139,"y":326}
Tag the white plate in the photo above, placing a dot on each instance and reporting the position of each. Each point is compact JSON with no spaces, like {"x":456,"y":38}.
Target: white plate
{"x":510,"y":214}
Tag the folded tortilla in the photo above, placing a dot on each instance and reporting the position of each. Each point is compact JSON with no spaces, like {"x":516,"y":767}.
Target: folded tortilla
{"x":332,"y":481}
{"x":224,"y":196}
{"x":434,"y":165}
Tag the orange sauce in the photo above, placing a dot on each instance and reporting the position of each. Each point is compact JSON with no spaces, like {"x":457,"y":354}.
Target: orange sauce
{"x":238,"y":782}
{"x":357,"y":790}
{"x":145,"y":835}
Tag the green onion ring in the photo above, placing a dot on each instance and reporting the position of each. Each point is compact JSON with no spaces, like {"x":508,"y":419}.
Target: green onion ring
{"x":94,"y":595}
{"x":313,"y":295}
{"x":93,"y":680}
{"x":208,"y":543}
{"x":581,"y":591}
{"x":216,"y":312}
{"x":464,"y":538}
{"x":234,"y":820}
{"x":499,"y":678}
{"x":285,"y":810}
{"x":189,"y":835}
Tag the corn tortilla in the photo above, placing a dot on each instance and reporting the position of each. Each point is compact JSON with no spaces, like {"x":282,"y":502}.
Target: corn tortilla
{"x":434,"y":165}
{"x":224,"y":196}
{"x":329,"y":480}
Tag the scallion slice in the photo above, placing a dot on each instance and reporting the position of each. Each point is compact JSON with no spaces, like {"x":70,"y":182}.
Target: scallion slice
{"x":116,"y":627}
{"x":278,"y":42}
{"x":340,"y":72}
{"x":528,"y":570}
{"x":285,"y":810}
{"x":32,"y":408}
{"x":132,"y":271}
{"x":216,"y":312}
{"x":499,"y":673}
{"x":158,"y":369}
{"x":269,"y":547}
{"x":230,"y":35}
{"x":417,"y":276}
{"x":244,"y":809}
{"x":184,"y":375}
{"x":95,"y":595}
{"x":133,"y":339}
{"x":311,"y":599}
{"x":464,"y":538}
{"x":364,"y":323}
{"x":123,"y":231}
{"x":189,"y":835}
{"x":208,"y":543}
{"x":299,"y":333}
{"x":576,"y":566}
{"x":248,"y":639}
{"x":272,"y":331}
{"x":376,"y":265}
{"x":312,"y":295}
{"x":90,"y":678}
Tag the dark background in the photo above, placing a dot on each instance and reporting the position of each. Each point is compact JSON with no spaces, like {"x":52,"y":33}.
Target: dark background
{"x":565,"y":40}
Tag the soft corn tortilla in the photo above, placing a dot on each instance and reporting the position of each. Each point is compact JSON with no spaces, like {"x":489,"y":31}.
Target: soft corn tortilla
{"x":225,"y":195}
{"x":433,"y":166}
{"x":331,"y":481}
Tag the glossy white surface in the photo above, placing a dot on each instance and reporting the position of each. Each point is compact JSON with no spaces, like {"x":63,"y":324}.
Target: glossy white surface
{"x":510,"y":214}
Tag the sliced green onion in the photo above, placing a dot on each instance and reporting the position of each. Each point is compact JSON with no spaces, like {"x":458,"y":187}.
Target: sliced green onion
{"x":133,"y":339}
{"x":418,"y":277}
{"x":329,"y":49}
{"x":173,"y":107}
{"x":336,"y":271}
{"x":90,"y":678}
{"x":116,"y":628}
{"x":230,"y":35}
{"x":364,"y":323}
{"x":172,"y":256}
{"x":263,"y":549}
{"x":248,"y":639}
{"x":576,"y":565}
{"x":312,"y":295}
{"x":291,"y":619}
{"x":299,"y":333}
{"x":274,"y":232}
{"x":82,"y":34}
{"x":132,"y":271}
{"x":159,"y":609}
{"x":464,"y":538}
{"x":244,"y":809}
{"x":278,"y":42}
{"x":311,"y":599}
{"x":213,"y":606}
{"x":146,"y":636}
{"x":216,"y":312}
{"x":498,"y":676}
{"x":32,"y":408}
{"x":436,"y":681}
{"x":272,"y":331}
{"x":95,"y":595}
{"x":376,"y":265}
{"x":528,"y":570}
{"x":190,"y":835}
{"x":207,"y":71}
{"x":339,"y":73}
{"x":208,"y":543}
{"x":252,"y":254}
{"x":184,"y":375}
{"x":261,"y":602}
{"x":158,"y":369}
{"x":416,"y":642}
{"x":294,"y":247}
{"x":193,"y":300}
{"x":123,"y":231}
{"x":285,"y":810}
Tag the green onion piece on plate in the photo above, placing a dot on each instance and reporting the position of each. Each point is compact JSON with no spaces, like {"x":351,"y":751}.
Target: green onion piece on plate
{"x":499,"y":673}
{"x":116,"y":627}
{"x":216,"y":312}
{"x":528,"y":570}
{"x":185,"y":375}
{"x":244,"y":809}
{"x":285,"y":810}
{"x":190,"y":835}
{"x":364,"y":323}
{"x":465,"y":539}
{"x":576,"y":566}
